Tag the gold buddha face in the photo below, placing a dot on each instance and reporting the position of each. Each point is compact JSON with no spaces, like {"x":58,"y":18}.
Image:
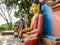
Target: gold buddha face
{"x":35,"y":8}
{"x":21,"y":22}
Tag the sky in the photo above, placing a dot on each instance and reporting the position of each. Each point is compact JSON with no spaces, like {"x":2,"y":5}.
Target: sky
{"x":2,"y":21}
{"x":14,"y":19}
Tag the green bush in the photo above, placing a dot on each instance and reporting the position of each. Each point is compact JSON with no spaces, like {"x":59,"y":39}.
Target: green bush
{"x":5,"y":27}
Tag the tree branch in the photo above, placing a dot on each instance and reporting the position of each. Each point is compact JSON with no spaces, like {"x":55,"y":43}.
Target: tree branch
{"x":3,"y":17}
{"x":3,"y":12}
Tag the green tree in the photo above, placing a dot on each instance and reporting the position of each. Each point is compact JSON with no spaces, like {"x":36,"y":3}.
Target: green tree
{"x":23,"y":6}
{"x":4,"y":9}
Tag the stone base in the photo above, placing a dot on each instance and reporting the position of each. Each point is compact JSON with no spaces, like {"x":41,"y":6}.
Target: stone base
{"x":50,"y":42}
{"x":8,"y":33}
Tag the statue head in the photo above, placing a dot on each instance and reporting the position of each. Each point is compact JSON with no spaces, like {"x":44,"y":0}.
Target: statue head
{"x":50,"y":2}
{"x":36,"y":8}
{"x":20,"y":21}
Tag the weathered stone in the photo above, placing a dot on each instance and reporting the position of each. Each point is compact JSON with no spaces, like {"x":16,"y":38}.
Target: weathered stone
{"x":10,"y":40}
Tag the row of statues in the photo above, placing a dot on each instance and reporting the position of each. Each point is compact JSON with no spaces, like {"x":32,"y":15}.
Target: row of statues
{"x":41,"y":22}
{"x":48,"y":16}
{"x":37,"y":6}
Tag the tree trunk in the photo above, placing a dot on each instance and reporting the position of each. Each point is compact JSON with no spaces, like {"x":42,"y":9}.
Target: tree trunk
{"x":10,"y":26}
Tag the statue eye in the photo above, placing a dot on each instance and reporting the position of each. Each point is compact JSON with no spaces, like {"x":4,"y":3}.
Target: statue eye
{"x":32,"y":6}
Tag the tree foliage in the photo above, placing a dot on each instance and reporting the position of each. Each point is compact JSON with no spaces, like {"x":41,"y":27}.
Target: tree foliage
{"x":24,"y":6}
{"x":6,"y":14}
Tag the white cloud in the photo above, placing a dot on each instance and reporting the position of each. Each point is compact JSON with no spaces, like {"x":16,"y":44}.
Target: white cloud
{"x":14,"y":19}
{"x":2,"y":21}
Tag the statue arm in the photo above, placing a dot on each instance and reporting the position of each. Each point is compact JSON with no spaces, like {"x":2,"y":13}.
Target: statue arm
{"x":26,"y":30}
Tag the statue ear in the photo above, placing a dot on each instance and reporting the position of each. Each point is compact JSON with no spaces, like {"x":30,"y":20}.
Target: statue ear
{"x":38,"y":5}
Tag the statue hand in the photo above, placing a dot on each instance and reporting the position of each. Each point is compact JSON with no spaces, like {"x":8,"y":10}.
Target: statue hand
{"x":20,"y":34}
{"x":28,"y":33}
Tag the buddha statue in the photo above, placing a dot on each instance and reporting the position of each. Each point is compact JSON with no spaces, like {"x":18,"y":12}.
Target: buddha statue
{"x":36,"y":26}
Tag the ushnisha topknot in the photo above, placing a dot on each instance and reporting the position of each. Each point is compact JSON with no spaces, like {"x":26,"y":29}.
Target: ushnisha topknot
{"x":36,"y":1}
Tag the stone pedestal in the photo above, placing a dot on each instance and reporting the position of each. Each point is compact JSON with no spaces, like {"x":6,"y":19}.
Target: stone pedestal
{"x":8,"y":33}
{"x":50,"y":42}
